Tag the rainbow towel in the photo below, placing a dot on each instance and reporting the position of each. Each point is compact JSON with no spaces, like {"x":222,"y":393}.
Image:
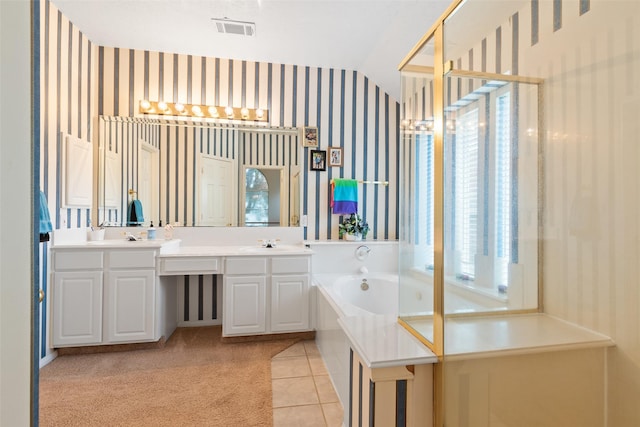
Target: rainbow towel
{"x":344,"y":196}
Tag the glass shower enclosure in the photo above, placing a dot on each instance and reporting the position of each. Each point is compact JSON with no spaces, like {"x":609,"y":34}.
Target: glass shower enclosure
{"x":470,"y":188}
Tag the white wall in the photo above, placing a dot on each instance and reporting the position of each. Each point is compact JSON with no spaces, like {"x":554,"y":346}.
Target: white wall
{"x":15,"y":216}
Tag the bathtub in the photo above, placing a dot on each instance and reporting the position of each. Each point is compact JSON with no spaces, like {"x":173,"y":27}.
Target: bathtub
{"x":339,"y":296}
{"x":380,"y":297}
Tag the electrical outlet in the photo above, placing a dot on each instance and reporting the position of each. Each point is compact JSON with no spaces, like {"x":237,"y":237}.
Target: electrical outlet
{"x":303,"y":221}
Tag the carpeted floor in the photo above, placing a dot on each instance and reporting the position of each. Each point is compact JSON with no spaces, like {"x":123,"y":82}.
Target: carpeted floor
{"x":195,"y":380}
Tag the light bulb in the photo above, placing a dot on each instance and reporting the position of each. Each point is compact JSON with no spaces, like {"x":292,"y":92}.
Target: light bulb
{"x":195,"y":109}
{"x":179,"y":107}
{"x":145,"y":104}
{"x":213,"y":111}
{"x":162,"y":106}
{"x":244,"y":112}
{"x":229,"y":111}
{"x":259,"y":113}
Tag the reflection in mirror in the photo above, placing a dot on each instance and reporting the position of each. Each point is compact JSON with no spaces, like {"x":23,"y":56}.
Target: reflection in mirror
{"x":192,"y":173}
{"x":257,"y":205}
{"x":218,"y":194}
{"x":262,"y":199}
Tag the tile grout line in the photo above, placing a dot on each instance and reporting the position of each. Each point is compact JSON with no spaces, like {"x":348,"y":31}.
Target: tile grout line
{"x":313,"y":376}
{"x":315,"y":387}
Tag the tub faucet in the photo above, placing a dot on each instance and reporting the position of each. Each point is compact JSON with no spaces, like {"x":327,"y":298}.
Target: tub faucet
{"x":362,"y":252}
{"x":364,"y":270}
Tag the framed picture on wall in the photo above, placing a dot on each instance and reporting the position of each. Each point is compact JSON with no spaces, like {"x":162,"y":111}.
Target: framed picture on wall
{"x":310,"y":136}
{"x":318,"y":160}
{"x":335,"y":156}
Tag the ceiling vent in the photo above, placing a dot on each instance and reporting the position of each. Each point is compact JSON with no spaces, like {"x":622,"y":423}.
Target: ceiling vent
{"x":227,"y":26}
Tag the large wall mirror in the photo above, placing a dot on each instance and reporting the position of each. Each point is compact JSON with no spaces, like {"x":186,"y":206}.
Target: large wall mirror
{"x":197,"y":174}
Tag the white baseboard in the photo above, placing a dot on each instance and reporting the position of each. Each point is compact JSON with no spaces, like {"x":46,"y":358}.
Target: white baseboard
{"x":48,"y":359}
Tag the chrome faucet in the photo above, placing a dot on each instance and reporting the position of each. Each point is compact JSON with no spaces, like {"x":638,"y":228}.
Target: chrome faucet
{"x":269,"y":243}
{"x":362,"y":252}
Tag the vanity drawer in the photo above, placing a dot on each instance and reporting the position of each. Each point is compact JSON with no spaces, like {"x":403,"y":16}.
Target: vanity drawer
{"x":286,"y":265}
{"x":246,"y":265}
{"x":190,"y":265}
{"x":77,"y":260}
{"x":132,"y":259}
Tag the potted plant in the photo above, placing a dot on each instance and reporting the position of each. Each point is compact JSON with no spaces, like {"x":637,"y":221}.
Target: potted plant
{"x":353,"y":227}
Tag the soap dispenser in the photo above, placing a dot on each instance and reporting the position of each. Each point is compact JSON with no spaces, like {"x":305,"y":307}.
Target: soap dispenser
{"x":151,"y":232}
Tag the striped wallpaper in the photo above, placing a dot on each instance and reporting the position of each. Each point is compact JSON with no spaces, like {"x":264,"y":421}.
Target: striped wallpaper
{"x":68,"y":87}
{"x":81,"y":81}
{"x":349,"y":110}
{"x":585,"y":49}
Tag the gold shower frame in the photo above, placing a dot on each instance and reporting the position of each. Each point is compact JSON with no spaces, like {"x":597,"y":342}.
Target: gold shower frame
{"x":441,"y":69}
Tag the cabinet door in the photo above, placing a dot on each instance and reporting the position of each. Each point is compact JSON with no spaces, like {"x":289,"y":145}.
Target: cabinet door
{"x":289,"y":303}
{"x":244,"y":305}
{"x":77,"y":308}
{"x":129,"y":306}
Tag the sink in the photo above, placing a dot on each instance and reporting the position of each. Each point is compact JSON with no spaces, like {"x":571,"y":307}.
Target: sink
{"x":276,"y":249}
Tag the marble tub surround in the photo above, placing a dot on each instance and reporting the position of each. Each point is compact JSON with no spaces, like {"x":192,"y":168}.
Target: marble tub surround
{"x":354,"y":342}
{"x":339,"y":257}
{"x":378,"y":337}
{"x":468,"y":338}
{"x":383,"y":343}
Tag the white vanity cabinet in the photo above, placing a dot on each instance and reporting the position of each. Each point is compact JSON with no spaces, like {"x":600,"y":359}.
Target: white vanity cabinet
{"x":77,"y":298}
{"x":290,"y":294}
{"x":129,"y":296}
{"x":110,"y":294}
{"x":244,"y":293}
{"x":264,"y":295}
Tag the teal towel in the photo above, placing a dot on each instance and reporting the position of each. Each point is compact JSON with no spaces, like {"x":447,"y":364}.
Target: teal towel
{"x":134,"y":215}
{"x":45,"y":220}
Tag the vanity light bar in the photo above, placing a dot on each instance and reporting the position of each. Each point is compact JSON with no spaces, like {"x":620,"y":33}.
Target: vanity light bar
{"x":203,"y":111}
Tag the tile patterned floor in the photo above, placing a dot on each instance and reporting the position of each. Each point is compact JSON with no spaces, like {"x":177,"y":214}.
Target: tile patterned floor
{"x":302,"y":391}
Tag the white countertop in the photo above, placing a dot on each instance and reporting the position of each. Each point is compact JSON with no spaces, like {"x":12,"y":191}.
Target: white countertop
{"x":173,"y":248}
{"x":513,"y":334}
{"x":382,"y":343}
{"x":202,"y":251}
{"x":123,"y":243}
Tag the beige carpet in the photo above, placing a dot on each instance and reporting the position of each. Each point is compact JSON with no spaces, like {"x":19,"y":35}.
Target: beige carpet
{"x":195,"y":380}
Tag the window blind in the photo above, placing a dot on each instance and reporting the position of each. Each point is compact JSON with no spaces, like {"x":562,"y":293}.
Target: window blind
{"x":503,"y":188}
{"x":466,"y":192}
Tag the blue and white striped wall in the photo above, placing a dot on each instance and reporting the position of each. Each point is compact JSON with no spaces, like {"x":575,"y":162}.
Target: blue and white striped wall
{"x":349,"y":110}
{"x":81,"y":81}
{"x":67,"y":88}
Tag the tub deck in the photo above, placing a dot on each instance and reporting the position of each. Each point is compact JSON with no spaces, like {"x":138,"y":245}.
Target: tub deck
{"x":378,"y":338}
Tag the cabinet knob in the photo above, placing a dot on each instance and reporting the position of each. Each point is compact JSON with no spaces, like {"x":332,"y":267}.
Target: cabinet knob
{"x":41,"y":294}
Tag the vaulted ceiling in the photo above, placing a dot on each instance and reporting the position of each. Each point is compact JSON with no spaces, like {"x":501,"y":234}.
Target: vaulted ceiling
{"x":370,"y":36}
